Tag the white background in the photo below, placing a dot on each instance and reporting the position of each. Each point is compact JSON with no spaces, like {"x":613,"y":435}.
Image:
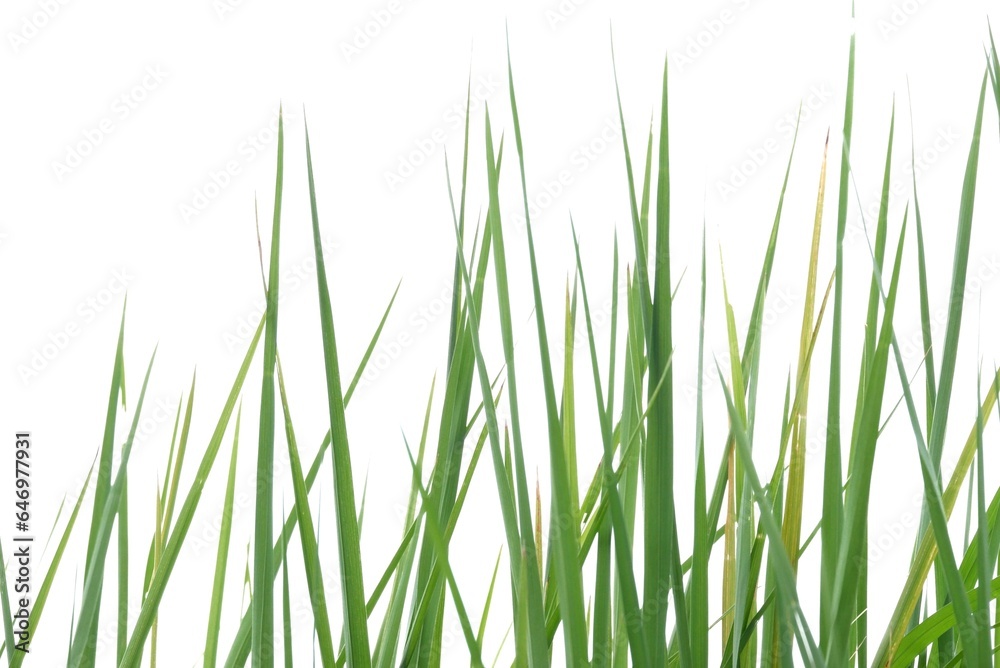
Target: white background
{"x":142,"y":210}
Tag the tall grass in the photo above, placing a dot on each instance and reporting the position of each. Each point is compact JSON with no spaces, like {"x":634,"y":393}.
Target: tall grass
{"x":608,"y":584}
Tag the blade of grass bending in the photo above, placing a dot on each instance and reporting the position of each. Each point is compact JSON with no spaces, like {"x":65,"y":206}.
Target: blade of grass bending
{"x":565,"y":523}
{"x":622,"y":536}
{"x":833,"y":479}
{"x":938,"y":420}
{"x":185,"y":516}
{"x":83,"y":649}
{"x":222,"y":557}
{"x":924,"y":634}
{"x":307,"y":532}
{"x":348,"y":541}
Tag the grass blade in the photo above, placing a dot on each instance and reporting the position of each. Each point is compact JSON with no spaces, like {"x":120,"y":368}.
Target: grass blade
{"x":348,"y":540}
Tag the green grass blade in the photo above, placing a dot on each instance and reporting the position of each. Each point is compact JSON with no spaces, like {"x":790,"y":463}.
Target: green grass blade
{"x":178,"y":461}
{"x":175,"y":542}
{"x":307,"y":532}
{"x":157,"y":552}
{"x":222,"y":557}
{"x":537,"y":643}
{"x":565,"y":524}
{"x":622,"y":535}
{"x":791,"y":528}
{"x":103,"y":483}
{"x":262,"y":655}
{"x":811,"y":655}
{"x":481,"y":633}
{"x":286,"y":607}
{"x":83,"y":649}
{"x":928,"y":547}
{"x":348,"y":539}
{"x":239,"y":651}
{"x":122,"y":635}
{"x":833,"y":479}
{"x":439,"y":542}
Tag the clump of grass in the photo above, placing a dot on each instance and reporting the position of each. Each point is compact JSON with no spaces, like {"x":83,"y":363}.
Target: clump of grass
{"x":648,"y":604}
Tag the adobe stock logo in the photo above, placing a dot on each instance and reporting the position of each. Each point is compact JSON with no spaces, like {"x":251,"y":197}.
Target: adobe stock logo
{"x":32,"y":24}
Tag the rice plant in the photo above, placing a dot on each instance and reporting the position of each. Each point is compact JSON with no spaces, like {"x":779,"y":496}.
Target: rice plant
{"x":601,"y":575}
